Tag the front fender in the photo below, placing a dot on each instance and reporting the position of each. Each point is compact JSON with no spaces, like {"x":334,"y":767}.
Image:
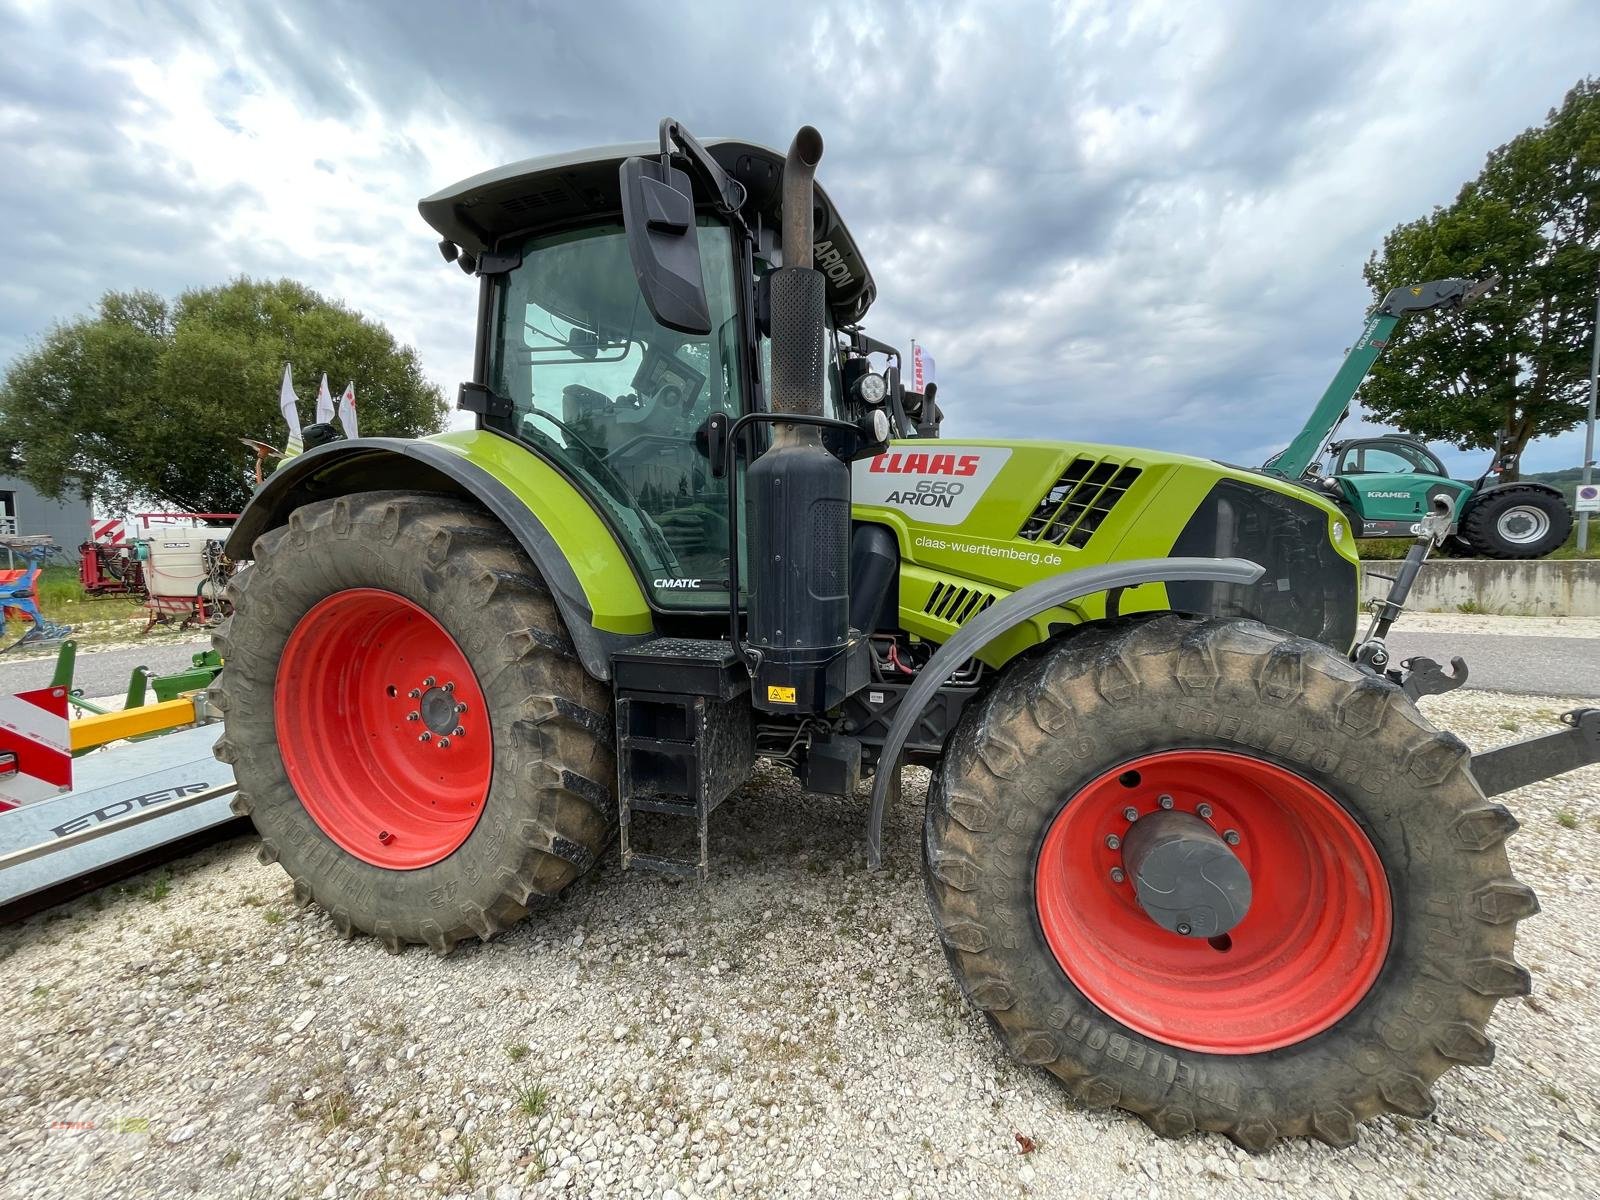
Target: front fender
{"x":1020,"y":606}
{"x":588,"y":572}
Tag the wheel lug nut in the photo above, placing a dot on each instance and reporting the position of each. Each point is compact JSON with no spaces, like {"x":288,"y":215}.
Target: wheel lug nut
{"x":428,"y":682}
{"x":458,"y":731}
{"x":413,"y":716}
{"x":444,"y":743}
{"x":415,"y":693}
{"x":1204,"y":812}
{"x":424,"y":737}
{"x":1130,"y":813}
{"x":1231,"y":837}
{"x":450,"y":686}
{"x":1117,"y":875}
{"x":461,"y":708}
{"x":1113,"y":842}
{"x":1165,"y":801}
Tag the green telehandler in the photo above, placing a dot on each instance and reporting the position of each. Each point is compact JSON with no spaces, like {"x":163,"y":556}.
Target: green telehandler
{"x":1386,"y":484}
{"x":1184,"y":853}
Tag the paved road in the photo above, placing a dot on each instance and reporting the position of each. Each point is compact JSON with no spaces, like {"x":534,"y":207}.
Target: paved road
{"x":1538,"y":666}
{"x":104,"y":672}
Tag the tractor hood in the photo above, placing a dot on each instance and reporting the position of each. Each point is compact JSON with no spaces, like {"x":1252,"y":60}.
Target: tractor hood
{"x":582,"y":186}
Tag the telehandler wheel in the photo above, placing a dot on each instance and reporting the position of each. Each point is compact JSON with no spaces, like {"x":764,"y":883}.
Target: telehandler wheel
{"x":412,"y":733}
{"x":1307,"y":920}
{"x":1517,"y":521}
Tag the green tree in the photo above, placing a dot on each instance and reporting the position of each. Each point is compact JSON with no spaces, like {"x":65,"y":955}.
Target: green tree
{"x":145,"y":400}
{"x":1515,"y":365}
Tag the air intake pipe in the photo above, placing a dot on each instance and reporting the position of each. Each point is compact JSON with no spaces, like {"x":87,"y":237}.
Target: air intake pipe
{"x":799,"y":493}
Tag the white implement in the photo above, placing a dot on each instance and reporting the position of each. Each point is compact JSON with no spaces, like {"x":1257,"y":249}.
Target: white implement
{"x":132,"y":805}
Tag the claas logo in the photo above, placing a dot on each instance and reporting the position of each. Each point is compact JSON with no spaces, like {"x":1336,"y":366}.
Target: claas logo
{"x":900,"y":463}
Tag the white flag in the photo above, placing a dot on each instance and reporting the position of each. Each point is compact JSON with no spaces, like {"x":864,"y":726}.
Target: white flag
{"x":324,"y":402}
{"x":291,"y":414}
{"x":921,"y":370}
{"x":347,"y":410}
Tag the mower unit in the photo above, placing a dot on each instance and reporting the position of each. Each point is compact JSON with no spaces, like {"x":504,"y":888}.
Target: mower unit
{"x":1172,"y":831}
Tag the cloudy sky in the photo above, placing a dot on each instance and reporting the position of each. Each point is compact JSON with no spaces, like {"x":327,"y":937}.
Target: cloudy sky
{"x":1126,"y":222}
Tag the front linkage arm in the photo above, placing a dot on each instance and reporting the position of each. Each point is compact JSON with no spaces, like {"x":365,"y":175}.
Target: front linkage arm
{"x":1509,"y":767}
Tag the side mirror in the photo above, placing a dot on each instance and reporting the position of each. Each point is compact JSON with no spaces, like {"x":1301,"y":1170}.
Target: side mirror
{"x":664,"y":244}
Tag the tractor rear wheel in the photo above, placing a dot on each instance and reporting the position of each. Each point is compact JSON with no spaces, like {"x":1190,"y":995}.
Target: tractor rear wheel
{"x":411,"y":731}
{"x":1212,"y":874}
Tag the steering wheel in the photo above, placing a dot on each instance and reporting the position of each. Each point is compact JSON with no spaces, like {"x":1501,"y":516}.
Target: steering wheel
{"x":607,"y":477}
{"x":577,"y":441}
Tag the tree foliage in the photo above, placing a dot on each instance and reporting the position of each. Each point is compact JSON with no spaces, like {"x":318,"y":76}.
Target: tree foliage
{"x":1515,"y":365}
{"x":146,"y":400}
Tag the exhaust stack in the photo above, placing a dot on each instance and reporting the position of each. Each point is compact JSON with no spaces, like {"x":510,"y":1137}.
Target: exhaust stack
{"x":799,"y":493}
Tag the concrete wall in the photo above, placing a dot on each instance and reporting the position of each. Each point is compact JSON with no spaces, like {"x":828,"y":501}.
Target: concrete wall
{"x":68,"y":523}
{"x":1544,"y":588}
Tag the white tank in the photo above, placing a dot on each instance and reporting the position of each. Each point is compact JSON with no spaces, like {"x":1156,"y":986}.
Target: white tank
{"x":175,"y":561}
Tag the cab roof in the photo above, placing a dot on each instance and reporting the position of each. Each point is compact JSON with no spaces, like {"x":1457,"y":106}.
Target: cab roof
{"x":522,"y":198}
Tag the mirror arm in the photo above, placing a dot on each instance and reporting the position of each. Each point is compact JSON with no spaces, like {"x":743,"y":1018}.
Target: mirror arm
{"x":730,"y":193}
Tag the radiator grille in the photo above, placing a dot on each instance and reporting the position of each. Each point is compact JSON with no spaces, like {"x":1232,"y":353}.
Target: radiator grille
{"x":1081,"y":499}
{"x":956,"y":604}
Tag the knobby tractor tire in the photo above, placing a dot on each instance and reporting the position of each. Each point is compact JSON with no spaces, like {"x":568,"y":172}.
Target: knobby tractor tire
{"x":1481,"y":525}
{"x":549,"y":810}
{"x":1111,"y":696}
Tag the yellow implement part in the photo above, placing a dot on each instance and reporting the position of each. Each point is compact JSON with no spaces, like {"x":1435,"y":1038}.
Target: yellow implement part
{"x":101,"y":728}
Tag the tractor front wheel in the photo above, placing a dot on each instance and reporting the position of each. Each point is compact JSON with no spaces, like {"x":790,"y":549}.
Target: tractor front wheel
{"x":411,"y":731}
{"x":1212,"y":874}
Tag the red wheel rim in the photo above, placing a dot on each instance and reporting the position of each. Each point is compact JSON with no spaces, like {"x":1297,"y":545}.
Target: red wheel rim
{"x":383,"y":729}
{"x":1306,"y":952}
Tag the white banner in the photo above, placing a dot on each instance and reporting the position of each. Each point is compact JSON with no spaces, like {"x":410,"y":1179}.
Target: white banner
{"x":291,"y":414}
{"x":919,"y":371}
{"x":324,"y":402}
{"x":347,"y":410}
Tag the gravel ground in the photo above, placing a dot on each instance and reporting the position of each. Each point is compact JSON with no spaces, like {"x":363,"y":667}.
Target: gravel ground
{"x":789,"y":1029}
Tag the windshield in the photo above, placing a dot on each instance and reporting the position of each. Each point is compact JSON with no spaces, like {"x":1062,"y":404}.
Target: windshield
{"x":619,"y":400}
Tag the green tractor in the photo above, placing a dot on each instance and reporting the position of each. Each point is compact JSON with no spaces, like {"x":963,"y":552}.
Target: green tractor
{"x":1386,"y":484}
{"x":1182,"y":851}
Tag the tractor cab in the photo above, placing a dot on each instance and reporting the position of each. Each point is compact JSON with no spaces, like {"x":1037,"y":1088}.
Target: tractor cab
{"x":621,"y":341}
{"x":1388,"y":484}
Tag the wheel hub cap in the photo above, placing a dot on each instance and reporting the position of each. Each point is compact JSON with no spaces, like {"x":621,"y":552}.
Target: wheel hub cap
{"x":1184,"y":875}
{"x":1294,"y":889}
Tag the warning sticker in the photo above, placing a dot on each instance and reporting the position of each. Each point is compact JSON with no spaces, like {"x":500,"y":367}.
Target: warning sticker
{"x":779,"y":695}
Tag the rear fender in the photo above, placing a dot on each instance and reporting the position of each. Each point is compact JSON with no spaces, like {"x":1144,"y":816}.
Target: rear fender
{"x":588,"y":573}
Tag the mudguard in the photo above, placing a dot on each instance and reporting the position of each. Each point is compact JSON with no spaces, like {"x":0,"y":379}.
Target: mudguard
{"x":586,"y":569}
{"x":1020,"y":606}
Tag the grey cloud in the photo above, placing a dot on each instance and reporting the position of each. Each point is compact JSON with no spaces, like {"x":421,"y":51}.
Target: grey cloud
{"x":1189,"y":284}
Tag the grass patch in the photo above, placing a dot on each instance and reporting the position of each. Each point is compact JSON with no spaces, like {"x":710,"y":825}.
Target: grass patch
{"x":465,"y":1160}
{"x":517,"y":1051}
{"x":1566,"y":819}
{"x":533,"y":1099}
{"x":157,"y":889}
{"x":272,"y":917}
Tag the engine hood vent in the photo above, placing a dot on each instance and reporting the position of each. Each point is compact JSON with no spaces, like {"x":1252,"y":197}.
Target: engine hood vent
{"x":1070,"y":512}
{"x":955,"y":603}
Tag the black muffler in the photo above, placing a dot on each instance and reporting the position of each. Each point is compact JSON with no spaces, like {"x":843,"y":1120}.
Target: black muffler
{"x":798,"y":492}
